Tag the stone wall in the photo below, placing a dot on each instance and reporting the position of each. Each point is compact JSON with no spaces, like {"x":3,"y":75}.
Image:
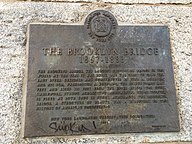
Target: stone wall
{"x":14,"y":19}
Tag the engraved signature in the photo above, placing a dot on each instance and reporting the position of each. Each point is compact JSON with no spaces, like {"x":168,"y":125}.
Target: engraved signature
{"x":72,"y":127}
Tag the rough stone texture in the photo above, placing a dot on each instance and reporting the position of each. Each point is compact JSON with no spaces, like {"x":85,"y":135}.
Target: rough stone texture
{"x":130,"y":2}
{"x":149,"y":1}
{"x":14,"y":19}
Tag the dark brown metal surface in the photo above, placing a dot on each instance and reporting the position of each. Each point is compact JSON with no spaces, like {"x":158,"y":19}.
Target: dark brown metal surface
{"x":99,"y":78}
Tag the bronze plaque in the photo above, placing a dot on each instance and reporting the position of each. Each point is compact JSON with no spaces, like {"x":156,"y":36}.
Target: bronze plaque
{"x":99,"y":78}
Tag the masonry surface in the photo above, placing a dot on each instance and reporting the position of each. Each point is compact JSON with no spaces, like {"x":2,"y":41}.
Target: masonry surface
{"x":14,"y":20}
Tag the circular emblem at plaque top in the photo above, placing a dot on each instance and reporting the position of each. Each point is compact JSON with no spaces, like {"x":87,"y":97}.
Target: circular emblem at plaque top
{"x":101,"y":25}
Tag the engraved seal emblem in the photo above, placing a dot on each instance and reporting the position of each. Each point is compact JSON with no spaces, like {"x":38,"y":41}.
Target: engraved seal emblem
{"x":101,"y":25}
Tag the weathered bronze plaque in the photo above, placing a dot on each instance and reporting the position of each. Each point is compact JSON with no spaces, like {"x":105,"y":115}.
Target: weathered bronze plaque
{"x":99,"y":78}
